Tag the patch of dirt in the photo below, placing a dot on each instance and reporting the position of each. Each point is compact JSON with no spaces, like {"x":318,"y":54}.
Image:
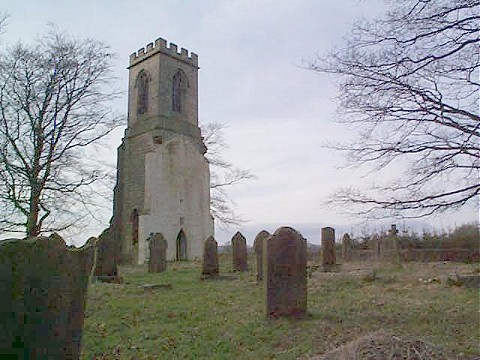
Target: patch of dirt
{"x":381,"y":345}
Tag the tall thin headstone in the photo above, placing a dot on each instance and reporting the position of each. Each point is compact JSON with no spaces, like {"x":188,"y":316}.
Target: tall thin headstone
{"x":158,"y":253}
{"x":346,"y":247}
{"x":258,"y":248}
{"x":210,"y":258}
{"x":377,"y":248}
{"x":285,"y":265}
{"x":239,"y":252}
{"x":328,"y":248}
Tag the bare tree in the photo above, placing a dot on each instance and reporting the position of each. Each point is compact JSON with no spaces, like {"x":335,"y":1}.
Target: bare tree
{"x":223,"y":174}
{"x":409,"y":82}
{"x":54,"y":99}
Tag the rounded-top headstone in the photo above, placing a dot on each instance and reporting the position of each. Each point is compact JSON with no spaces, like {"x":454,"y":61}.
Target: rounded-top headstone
{"x":258,"y":248}
{"x":158,"y":253}
{"x":210,"y":257}
{"x":285,"y":265}
{"x":106,"y":265}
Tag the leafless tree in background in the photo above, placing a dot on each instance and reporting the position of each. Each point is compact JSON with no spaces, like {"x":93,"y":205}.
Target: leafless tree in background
{"x":54,"y":99}
{"x":409,"y":82}
{"x":223,"y":174}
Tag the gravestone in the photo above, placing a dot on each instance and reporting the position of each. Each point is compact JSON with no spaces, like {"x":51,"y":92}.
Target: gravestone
{"x":393,"y":245}
{"x":239,"y":252}
{"x":377,"y":247}
{"x":43,"y":287}
{"x":158,"y":253}
{"x":285,"y":265}
{"x":210,"y":258}
{"x":106,"y":263}
{"x":346,"y":247}
{"x":328,"y":248}
{"x":258,"y":248}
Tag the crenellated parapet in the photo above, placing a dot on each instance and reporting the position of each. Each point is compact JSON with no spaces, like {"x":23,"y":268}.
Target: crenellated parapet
{"x":160,"y":45}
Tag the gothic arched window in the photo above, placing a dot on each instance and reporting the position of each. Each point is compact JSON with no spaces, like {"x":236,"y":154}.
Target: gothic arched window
{"x":142,"y":93}
{"x":179,"y":92}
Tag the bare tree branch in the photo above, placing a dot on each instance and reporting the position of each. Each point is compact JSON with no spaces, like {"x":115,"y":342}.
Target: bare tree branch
{"x":223,"y":174}
{"x":409,"y":83}
{"x":54,"y":99}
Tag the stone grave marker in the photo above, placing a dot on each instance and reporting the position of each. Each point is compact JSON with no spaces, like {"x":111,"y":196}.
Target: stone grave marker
{"x":285,"y":272}
{"x":43,"y":287}
{"x":328,"y":248}
{"x":346,"y":247}
{"x":210,"y":258}
{"x":258,"y":248}
{"x":106,"y":262}
{"x":239,"y":252}
{"x":158,"y":253}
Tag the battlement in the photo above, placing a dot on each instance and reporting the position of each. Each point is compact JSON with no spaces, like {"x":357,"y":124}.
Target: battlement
{"x":160,"y":45}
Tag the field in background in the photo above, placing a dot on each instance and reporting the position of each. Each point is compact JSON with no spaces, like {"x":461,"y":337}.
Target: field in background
{"x":188,"y":318}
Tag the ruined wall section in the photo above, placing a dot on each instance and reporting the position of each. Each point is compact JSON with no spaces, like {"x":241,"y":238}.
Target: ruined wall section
{"x":151,"y":178}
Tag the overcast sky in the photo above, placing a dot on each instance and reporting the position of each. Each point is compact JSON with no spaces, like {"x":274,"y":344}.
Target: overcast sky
{"x":251,"y":78}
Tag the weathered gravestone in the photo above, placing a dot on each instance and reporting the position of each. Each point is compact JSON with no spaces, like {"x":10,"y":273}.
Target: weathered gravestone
{"x":285,"y":265}
{"x":158,"y":253}
{"x":106,"y":261}
{"x":328,"y":248}
{"x":210,"y":258}
{"x":376,"y":247}
{"x":258,"y":248}
{"x":43,"y":288}
{"x":346,"y":247}
{"x":391,"y":245}
{"x":239,"y":252}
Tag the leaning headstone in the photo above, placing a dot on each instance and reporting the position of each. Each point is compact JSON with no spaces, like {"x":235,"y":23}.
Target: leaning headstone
{"x":239,"y":252}
{"x":328,"y":248}
{"x":43,"y":287}
{"x":285,"y":265}
{"x":106,"y":265}
{"x":210,"y":258}
{"x":346,"y":247}
{"x":157,"y":245}
{"x":258,"y":248}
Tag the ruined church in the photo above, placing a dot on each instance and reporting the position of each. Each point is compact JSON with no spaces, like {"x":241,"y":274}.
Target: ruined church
{"x":163,"y":177}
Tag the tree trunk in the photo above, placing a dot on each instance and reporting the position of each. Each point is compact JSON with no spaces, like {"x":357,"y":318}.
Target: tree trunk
{"x":32,"y":218}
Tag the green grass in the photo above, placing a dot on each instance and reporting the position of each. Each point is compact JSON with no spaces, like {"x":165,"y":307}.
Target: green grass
{"x":224,"y":319}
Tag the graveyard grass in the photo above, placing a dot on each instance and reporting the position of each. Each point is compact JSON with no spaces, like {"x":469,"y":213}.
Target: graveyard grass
{"x":225,"y":319}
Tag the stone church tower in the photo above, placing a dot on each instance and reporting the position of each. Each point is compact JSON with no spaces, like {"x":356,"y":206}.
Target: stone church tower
{"x":163,"y":177}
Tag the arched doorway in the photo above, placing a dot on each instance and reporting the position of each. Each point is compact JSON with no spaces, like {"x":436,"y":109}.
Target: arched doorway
{"x":181,"y":246}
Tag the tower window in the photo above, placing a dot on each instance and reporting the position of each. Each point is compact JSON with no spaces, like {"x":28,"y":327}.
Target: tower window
{"x":179,"y":92}
{"x":142,"y":93}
